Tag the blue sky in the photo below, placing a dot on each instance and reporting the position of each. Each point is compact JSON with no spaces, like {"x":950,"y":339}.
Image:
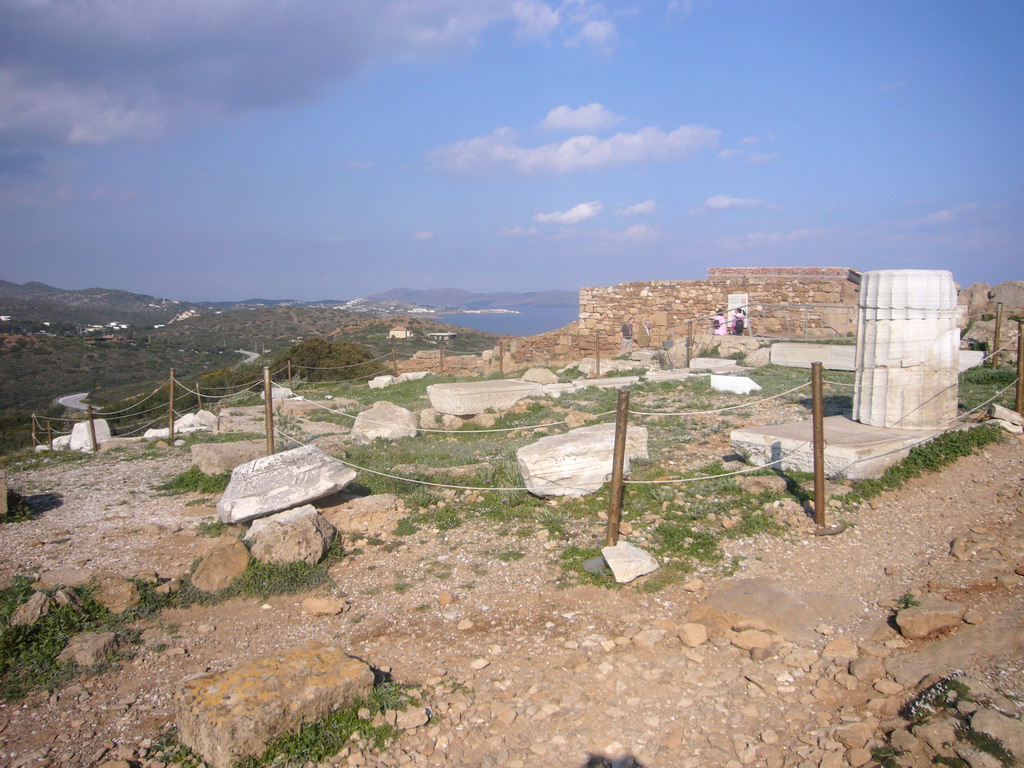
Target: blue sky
{"x":226,"y":149}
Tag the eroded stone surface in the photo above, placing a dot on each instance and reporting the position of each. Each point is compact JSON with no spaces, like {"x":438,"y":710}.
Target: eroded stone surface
{"x":578,"y":462}
{"x":470,"y":398}
{"x":234,"y":714}
{"x":383,"y":420}
{"x":628,"y":562}
{"x":282,"y":481}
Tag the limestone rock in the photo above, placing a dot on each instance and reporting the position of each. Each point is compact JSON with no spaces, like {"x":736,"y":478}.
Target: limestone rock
{"x":578,"y":462}
{"x":628,"y":562}
{"x":413,"y":375}
{"x":693,"y":635}
{"x":384,"y":420}
{"x":226,"y":561}
{"x":374,"y":514}
{"x":737,"y":385}
{"x":323,"y":606}
{"x":379,"y":382}
{"x":89,"y":648}
{"x":217,"y":458}
{"x":771,"y":605}
{"x":428,"y":419}
{"x":114,"y":592}
{"x":540,"y":376}
{"x":649,"y":639}
{"x":1007,"y":730}
{"x":32,"y":610}
{"x":471,"y":398}
{"x":304,"y":538}
{"x":64,"y":577}
{"x":867,"y":669}
{"x":233,"y":714}
{"x":749,"y":639}
{"x":933,"y":615}
{"x":997,"y":411}
{"x":277,"y":393}
{"x":758,"y":484}
{"x":282,"y":481}
{"x":81,"y":435}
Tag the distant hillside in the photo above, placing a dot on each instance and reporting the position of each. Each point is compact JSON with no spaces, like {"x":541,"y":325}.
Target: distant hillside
{"x":40,"y":302}
{"x":456,"y":297}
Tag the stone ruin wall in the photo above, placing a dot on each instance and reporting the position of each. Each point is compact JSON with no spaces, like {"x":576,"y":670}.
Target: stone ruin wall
{"x":668,"y":305}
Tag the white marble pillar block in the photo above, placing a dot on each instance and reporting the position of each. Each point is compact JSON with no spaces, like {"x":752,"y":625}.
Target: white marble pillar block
{"x":908,"y":349}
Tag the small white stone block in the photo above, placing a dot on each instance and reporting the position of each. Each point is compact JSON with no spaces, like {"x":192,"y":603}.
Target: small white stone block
{"x":628,"y":562}
{"x":380,"y":382}
{"x":737,"y":385}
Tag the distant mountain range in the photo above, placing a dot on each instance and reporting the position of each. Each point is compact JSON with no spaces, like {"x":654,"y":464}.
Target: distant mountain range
{"x":41,"y":302}
{"x":456,"y":297}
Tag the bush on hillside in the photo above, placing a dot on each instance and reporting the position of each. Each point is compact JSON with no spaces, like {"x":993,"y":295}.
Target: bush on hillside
{"x":318,"y":359}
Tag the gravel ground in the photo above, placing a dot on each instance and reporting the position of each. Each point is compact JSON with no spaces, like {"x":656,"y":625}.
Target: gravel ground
{"x":518,"y":671}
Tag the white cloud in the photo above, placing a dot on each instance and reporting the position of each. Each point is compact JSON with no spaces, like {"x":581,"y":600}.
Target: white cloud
{"x":767,"y":239}
{"x":117,"y":70}
{"x":750,"y":141}
{"x":600,"y":33}
{"x":638,"y":209}
{"x":947,"y":216}
{"x":761,"y":158}
{"x":724,"y":203}
{"x":574,"y":215}
{"x":360,"y":164}
{"x":638,"y":233}
{"x":422,"y":235}
{"x":500,"y":151}
{"x":751,"y":158}
{"x":518,"y":232}
{"x":590,"y":117}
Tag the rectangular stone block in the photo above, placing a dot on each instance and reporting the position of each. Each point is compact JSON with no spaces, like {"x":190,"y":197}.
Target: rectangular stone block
{"x":834,"y":357}
{"x":471,"y":398}
{"x":234,"y":714}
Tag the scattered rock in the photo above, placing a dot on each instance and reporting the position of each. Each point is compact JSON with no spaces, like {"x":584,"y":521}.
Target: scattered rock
{"x":1007,"y":730}
{"x":628,"y":562}
{"x":384,"y":420}
{"x":932,"y":616}
{"x":233,"y":714}
{"x":114,"y":592}
{"x":32,"y":610}
{"x":88,"y":649}
{"x":217,"y":458}
{"x":226,"y":561}
{"x":540,"y":376}
{"x":291,"y":537}
{"x":323,"y":606}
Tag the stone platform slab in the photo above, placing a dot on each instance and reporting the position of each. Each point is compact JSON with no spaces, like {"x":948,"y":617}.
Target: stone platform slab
{"x":473,"y":397}
{"x":834,"y":357}
{"x":852,"y":450}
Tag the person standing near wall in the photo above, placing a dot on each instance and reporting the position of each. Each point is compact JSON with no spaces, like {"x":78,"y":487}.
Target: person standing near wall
{"x":719,"y":324}
{"x":627,"y":335}
{"x":643,"y":334}
{"x":739,"y":322}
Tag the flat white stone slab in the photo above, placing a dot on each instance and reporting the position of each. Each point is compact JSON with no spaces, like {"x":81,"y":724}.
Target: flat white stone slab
{"x":834,"y":357}
{"x":612,"y":382}
{"x":473,"y":397}
{"x":711,"y":363}
{"x":379,"y":382}
{"x":970,"y":358}
{"x":557,"y":390}
{"x":675,"y":374}
{"x":578,"y":462}
{"x":737,"y":385}
{"x":628,"y":562}
{"x":852,"y":450}
{"x":81,"y":435}
{"x":413,"y":375}
{"x":275,"y":483}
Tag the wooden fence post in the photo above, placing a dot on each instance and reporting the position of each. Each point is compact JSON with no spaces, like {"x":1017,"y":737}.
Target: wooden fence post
{"x":394,"y":361}
{"x":34,"y":427}
{"x":268,"y":410}
{"x":618,"y":460}
{"x":994,"y":359}
{"x":199,"y":396}
{"x":49,"y":435}
{"x":170,"y":410}
{"x":818,"y":432}
{"x":441,"y":347}
{"x":92,"y":429}
{"x":1020,"y":367}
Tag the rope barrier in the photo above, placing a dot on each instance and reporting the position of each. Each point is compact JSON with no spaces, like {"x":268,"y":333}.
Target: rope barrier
{"x":133,"y":405}
{"x":725,"y":408}
{"x":459,"y":431}
{"x":337,"y":367}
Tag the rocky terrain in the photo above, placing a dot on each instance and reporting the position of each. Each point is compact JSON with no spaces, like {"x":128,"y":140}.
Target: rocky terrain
{"x":789,"y":657}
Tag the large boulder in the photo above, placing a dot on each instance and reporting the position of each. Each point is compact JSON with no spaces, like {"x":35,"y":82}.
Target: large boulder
{"x":473,"y":397}
{"x":81,"y":435}
{"x":282,"y":481}
{"x":225,"y":562}
{"x":217,"y":458}
{"x":930,"y":616}
{"x":375,"y":515}
{"x":228,"y":715}
{"x":540,"y":376}
{"x":385,"y":420}
{"x":578,"y":462}
{"x":298,"y":535}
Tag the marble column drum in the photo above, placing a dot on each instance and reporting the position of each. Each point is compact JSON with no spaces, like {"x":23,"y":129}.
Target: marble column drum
{"x":908,"y":349}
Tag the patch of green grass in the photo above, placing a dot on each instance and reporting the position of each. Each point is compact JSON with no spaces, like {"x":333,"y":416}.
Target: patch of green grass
{"x":194,"y":480}
{"x":401,"y":586}
{"x":406,"y":527}
{"x":929,"y":457}
{"x":199,"y":502}
{"x":907,"y":600}
{"x":212,"y":528}
{"x":571,"y":562}
{"x":509,"y":555}
{"x":18,"y":508}
{"x":886,"y":757}
{"x":28,"y":654}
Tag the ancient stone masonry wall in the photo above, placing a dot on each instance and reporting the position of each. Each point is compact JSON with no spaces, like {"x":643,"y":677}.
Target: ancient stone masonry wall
{"x":827,"y":295}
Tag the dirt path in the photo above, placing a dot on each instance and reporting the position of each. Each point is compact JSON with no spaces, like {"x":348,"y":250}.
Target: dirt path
{"x":520,"y":673}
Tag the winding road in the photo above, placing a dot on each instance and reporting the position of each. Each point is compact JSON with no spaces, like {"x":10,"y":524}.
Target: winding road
{"x":74,"y":402}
